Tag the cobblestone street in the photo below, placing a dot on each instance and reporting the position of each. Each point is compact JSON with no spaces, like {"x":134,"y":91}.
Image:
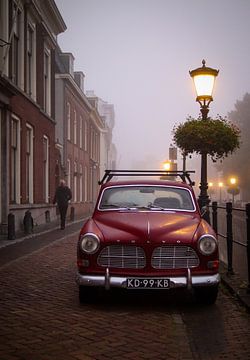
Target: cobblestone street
{"x":41,"y":318}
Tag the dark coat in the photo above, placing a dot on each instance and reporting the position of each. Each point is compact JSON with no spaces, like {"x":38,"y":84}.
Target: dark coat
{"x":62,"y":196}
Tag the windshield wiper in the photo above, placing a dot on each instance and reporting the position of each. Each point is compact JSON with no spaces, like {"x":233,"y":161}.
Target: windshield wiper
{"x":107,"y":206}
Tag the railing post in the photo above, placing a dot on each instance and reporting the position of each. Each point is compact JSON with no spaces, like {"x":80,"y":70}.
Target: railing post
{"x":215,"y":216}
{"x":248,"y":243}
{"x":229,"y":209}
{"x":11,"y":227}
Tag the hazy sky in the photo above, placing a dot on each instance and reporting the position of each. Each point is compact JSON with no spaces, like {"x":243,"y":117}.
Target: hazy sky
{"x":136,"y":54}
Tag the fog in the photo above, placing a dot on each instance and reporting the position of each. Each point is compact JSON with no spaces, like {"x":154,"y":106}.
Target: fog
{"x":136,"y":54}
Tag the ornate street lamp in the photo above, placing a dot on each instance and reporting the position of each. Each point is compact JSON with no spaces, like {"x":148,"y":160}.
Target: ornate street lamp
{"x":233,"y":184}
{"x":204,"y":79}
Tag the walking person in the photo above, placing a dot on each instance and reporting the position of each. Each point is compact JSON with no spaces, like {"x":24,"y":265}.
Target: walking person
{"x":62,"y":196}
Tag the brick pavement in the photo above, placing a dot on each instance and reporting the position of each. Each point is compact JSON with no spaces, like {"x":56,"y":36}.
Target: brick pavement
{"x":41,"y":318}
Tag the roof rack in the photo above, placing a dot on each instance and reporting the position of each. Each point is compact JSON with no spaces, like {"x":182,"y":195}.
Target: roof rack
{"x":184,"y":175}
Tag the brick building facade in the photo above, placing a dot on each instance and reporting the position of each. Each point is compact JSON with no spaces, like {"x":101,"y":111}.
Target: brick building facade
{"x":28,"y":31}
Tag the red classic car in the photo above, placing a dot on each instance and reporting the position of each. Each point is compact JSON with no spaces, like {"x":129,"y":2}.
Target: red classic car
{"x":147,"y":234}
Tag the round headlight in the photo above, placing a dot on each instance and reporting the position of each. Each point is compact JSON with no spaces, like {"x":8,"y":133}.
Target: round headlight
{"x":89,"y":243}
{"x":207,"y":244}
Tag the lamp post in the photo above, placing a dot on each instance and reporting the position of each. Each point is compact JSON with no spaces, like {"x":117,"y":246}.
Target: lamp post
{"x":220,"y":187}
{"x":204,"y":78}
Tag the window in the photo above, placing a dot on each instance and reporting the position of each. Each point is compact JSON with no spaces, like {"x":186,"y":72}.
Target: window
{"x":91,"y":178}
{"x":15,"y":161}
{"x":80,"y":132}
{"x":85,"y":184}
{"x":46,"y":169}
{"x":85,"y":130}
{"x":30,"y":65}
{"x":75,"y":128}
{"x":29,"y":163}
{"x":152,"y":198}
{"x":69,"y":172}
{"x":68,"y":121}
{"x":75,"y":181}
{"x":80,"y":184}
{"x":46,"y":81}
{"x":16,"y":52}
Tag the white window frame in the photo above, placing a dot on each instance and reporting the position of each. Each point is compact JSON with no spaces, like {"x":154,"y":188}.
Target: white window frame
{"x":15,"y":195}
{"x":75,"y":181}
{"x":17,"y":53}
{"x":68,"y":120}
{"x":47,"y":80}
{"x":85,"y":184}
{"x":80,"y":184}
{"x":31,"y":59}
{"x":29,"y":164}
{"x":75,"y":128}
{"x":69,"y":173}
{"x":46,"y":168}
{"x":80,"y":131}
{"x":4,"y":31}
{"x":85,"y":136}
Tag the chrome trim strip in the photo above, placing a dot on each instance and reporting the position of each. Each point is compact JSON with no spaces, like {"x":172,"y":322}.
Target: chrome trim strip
{"x":120,"y":281}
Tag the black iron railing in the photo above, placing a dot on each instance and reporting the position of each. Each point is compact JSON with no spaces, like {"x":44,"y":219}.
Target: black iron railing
{"x":229,"y":233}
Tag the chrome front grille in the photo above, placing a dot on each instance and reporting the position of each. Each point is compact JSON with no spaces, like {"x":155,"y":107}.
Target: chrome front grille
{"x":122,"y":256}
{"x":174,"y":257}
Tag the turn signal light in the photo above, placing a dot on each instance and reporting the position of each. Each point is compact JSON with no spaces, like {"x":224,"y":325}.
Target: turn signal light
{"x":213,"y":265}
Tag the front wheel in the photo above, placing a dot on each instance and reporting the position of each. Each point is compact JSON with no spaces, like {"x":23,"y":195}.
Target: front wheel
{"x":206,"y":295}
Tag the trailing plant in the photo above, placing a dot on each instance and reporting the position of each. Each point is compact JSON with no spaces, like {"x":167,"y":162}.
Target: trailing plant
{"x":217,"y":137}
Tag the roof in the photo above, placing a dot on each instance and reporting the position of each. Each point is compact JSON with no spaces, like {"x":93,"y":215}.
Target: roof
{"x":146,"y":182}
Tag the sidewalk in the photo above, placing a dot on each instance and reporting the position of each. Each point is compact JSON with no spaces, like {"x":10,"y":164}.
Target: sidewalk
{"x":37,"y":231}
{"x":236,"y":286}
{"x":233,"y":283}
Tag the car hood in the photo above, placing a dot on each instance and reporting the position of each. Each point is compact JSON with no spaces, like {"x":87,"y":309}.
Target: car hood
{"x":147,"y":226}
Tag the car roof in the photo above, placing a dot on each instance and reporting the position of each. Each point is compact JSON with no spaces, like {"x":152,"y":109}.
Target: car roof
{"x":146,"y":182}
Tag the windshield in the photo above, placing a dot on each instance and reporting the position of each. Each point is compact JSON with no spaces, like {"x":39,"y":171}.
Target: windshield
{"x":146,"y":197}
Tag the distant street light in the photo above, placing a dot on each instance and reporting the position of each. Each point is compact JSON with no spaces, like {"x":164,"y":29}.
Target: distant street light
{"x":232,"y":180}
{"x":204,"y":79}
{"x":167,"y":165}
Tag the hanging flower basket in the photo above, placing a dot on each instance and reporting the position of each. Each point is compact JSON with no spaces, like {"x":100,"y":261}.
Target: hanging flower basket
{"x":216,"y":137}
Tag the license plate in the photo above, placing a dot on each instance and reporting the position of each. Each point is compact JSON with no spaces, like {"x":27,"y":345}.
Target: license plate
{"x":148,"y":283}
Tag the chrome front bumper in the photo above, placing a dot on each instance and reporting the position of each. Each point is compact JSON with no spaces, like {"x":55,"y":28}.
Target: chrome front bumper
{"x":109,"y":281}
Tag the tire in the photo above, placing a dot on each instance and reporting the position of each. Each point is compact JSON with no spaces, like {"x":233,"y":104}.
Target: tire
{"x":206,"y":295}
{"x":87,"y":294}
